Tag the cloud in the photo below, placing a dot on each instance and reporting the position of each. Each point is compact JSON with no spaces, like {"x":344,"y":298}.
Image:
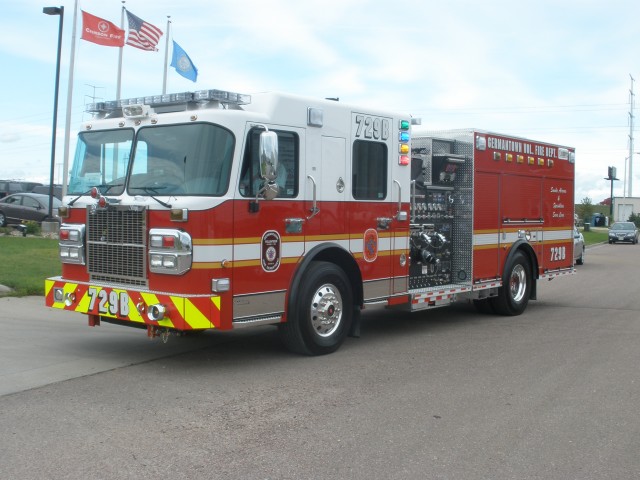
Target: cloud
{"x":9,"y":137}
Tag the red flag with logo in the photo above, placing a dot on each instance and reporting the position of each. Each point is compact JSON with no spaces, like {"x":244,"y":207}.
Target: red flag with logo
{"x":101,"y":31}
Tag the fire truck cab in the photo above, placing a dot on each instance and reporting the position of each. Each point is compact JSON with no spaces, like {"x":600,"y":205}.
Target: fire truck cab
{"x":213,"y":209}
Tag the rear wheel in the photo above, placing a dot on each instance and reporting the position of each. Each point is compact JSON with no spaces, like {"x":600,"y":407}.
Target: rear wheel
{"x":321,"y":315}
{"x":3,"y":220}
{"x":513,"y":296}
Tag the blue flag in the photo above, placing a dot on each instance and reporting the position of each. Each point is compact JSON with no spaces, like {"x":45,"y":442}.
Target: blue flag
{"x":183,"y":64}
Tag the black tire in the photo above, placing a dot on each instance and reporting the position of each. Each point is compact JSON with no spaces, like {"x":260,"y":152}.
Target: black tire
{"x":580,"y":260}
{"x":320,"y":317}
{"x":3,"y":220}
{"x":513,"y":296}
{"x":484,"y":306}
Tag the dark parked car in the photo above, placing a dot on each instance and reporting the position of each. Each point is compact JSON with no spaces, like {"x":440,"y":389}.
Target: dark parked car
{"x":623,"y":232}
{"x":22,"y":207}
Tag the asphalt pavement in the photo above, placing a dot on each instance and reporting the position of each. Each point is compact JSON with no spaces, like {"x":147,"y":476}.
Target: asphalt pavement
{"x":443,"y":394}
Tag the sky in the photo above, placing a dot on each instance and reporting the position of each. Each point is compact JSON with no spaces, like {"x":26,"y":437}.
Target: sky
{"x":557,"y":71}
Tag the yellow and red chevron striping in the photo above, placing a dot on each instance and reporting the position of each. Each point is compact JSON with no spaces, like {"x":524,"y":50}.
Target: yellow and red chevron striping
{"x":182,"y":312}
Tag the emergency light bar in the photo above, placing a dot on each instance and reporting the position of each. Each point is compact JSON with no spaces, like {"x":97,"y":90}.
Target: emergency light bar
{"x":198,"y":97}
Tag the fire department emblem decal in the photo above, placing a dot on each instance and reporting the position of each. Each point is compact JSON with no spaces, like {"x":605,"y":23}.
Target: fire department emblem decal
{"x":370,"y":247}
{"x":270,"y":257}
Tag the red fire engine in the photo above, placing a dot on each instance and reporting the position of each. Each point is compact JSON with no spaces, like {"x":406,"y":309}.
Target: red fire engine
{"x":213,"y":209}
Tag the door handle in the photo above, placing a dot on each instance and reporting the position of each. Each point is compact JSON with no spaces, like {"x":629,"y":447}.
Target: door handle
{"x":314,"y":209}
{"x":383,"y":223}
{"x":293,"y":225}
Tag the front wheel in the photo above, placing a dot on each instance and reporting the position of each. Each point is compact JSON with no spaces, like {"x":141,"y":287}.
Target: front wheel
{"x":320,"y":317}
{"x":513,"y":296}
{"x":3,"y":219}
{"x":580,"y":260}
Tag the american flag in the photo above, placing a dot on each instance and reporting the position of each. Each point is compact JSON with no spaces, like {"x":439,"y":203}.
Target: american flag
{"x":142,"y":35}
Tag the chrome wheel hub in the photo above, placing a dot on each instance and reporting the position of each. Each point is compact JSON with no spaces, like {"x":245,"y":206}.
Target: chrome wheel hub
{"x":326,"y":310}
{"x":518,"y":283}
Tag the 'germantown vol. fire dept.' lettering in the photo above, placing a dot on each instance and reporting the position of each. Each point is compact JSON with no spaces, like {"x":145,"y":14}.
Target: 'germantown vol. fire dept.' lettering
{"x":503,"y":144}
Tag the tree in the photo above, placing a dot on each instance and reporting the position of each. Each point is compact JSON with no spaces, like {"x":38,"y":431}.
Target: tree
{"x":635,"y":218}
{"x":585,"y":209}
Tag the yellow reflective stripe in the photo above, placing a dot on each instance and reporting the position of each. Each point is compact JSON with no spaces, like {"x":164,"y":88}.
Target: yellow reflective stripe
{"x":134,"y":315}
{"x":216,"y":302}
{"x":83,"y":303}
{"x":48,"y":285}
{"x":194,"y":317}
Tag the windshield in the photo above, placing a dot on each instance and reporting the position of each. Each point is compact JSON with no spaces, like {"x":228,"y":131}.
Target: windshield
{"x":102,"y":159}
{"x":191,"y":159}
{"x":623,"y":226}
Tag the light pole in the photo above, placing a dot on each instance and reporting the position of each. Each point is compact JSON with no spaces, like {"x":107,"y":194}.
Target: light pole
{"x":54,"y":11}
{"x":611,"y":176}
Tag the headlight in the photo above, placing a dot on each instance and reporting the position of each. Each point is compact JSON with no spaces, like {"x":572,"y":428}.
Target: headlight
{"x":170,"y":251}
{"x":71,"y":246}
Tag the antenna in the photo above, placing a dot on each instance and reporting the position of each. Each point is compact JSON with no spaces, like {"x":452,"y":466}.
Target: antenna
{"x":93,"y":97}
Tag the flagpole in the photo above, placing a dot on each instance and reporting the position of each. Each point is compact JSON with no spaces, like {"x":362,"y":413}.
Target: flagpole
{"x":119,"y":82}
{"x":67,"y":122}
{"x":166,"y":56}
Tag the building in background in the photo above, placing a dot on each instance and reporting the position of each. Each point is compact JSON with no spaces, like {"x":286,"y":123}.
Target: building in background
{"x":623,"y":207}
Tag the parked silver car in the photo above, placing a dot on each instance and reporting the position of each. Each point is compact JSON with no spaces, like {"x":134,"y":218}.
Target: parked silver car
{"x":21,"y":207}
{"x":623,"y":232}
{"x":578,"y":246}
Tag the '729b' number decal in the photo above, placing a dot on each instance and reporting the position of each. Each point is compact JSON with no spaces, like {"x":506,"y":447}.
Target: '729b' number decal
{"x":372,"y":128}
{"x":558,"y":254}
{"x":108,"y":302}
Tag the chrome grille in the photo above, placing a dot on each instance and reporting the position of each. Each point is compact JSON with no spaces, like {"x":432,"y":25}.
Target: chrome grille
{"x":116,"y":244}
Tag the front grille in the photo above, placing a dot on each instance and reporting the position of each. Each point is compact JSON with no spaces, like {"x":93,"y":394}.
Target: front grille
{"x":116,"y":244}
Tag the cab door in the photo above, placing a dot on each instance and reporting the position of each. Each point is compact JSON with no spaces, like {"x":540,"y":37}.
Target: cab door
{"x":267,"y":239}
{"x":325,"y":185}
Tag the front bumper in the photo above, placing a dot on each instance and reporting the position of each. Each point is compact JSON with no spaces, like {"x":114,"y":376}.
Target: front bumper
{"x":622,"y":238}
{"x":196,"y":312}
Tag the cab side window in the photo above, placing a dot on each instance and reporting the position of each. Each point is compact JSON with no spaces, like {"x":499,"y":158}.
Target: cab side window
{"x":369,"y":170}
{"x":288,"y":165}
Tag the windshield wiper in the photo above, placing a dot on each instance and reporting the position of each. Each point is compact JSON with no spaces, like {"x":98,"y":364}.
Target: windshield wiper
{"x":99,"y":187}
{"x":149,"y":191}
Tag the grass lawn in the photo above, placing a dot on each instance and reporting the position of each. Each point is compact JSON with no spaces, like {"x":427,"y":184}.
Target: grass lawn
{"x":595,"y":236}
{"x":27,"y":261}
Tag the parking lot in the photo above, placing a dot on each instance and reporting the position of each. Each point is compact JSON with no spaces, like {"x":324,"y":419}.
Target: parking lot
{"x":442,"y":394}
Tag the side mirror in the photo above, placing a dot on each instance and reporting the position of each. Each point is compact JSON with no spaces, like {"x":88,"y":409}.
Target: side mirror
{"x":269,"y":156}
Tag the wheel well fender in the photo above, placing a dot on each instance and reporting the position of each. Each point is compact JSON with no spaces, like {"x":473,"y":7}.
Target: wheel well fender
{"x":530,"y":254}
{"x":333,"y":253}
